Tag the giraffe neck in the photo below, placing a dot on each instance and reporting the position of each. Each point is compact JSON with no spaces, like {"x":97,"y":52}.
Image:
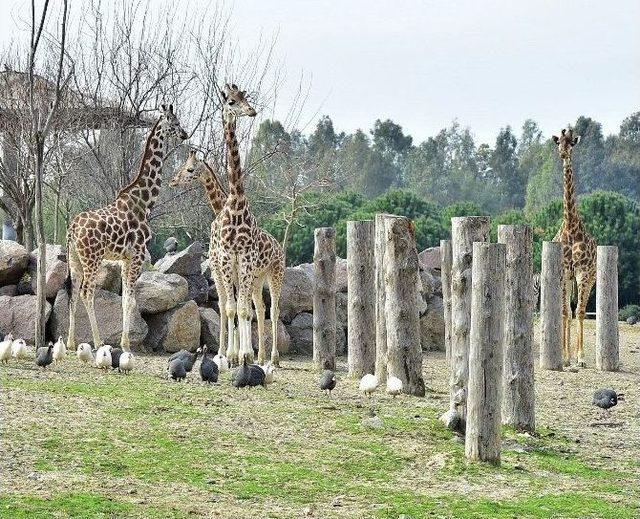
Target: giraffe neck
{"x":236,"y":181}
{"x":570,"y":213}
{"x":143,"y":191}
{"x":212,"y":186}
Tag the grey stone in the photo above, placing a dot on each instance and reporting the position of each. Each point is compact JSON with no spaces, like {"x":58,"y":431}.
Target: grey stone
{"x":186,"y":262}
{"x":57,"y":269}
{"x":8,"y":290}
{"x":284,"y":339}
{"x":432,"y":326}
{"x":430,"y":258}
{"x":110,"y":277}
{"x":301,"y":333}
{"x":209,"y":328}
{"x":18,"y":316}
{"x":14,"y":260}
{"x":198,"y":288}
{"x":157,"y":292}
{"x":174,"y":329}
{"x":297,"y":294}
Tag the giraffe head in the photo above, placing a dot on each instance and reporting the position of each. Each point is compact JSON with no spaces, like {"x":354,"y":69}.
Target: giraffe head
{"x":191,"y":170}
{"x":170,"y":124}
{"x":566,"y":142}
{"x":235,"y":102}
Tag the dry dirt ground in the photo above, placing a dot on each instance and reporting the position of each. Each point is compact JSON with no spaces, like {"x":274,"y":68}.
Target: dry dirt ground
{"x":77,"y":442}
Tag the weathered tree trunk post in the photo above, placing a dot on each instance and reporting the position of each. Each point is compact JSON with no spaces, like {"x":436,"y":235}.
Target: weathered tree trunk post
{"x":404,"y":353}
{"x":381,"y":318}
{"x":482,"y":440}
{"x":324,"y":299}
{"x":464,"y":232}
{"x":445,"y":277}
{"x":551,"y":307}
{"x":518,"y":397}
{"x":607,"y":337}
{"x":361,"y":309}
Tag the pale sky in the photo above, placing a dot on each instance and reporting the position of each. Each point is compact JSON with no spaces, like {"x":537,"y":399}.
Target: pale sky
{"x":486,"y":63}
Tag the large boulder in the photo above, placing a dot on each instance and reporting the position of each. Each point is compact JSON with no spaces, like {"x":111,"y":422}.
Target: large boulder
{"x":209,"y":328}
{"x":341,"y":341}
{"x":341,"y":273}
{"x":110,"y":277}
{"x":432,"y":326}
{"x":186,"y":262}
{"x":174,"y":329}
{"x":14,"y":260}
{"x":430,"y":258}
{"x":205,"y":269}
{"x":18,"y":316}
{"x":342,"y":317}
{"x":108,"y":308}
{"x":157,"y":292}
{"x":9,"y":290}
{"x":284,"y":339}
{"x":296,"y":295}
{"x":57,"y":269}
{"x":198,"y":288}
{"x":301,"y":333}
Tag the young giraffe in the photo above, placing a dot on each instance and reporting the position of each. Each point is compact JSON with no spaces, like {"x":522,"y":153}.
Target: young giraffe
{"x":119,"y":232}
{"x":248,"y":255}
{"x":579,"y":253}
{"x":196,"y":169}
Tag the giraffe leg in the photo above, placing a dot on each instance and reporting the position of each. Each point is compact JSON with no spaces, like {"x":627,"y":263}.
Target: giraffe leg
{"x":567,"y":288}
{"x":75,"y":268}
{"x":585,"y":284}
{"x":258,"y":304}
{"x":222,"y":305}
{"x":87,"y":293}
{"x":130,"y":273}
{"x":275,"y":287}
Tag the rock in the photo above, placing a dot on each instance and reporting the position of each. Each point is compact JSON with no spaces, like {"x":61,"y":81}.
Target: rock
{"x":301,"y":333}
{"x":341,"y":275}
{"x":342,"y":317}
{"x":430,"y":258}
{"x":432,"y":326}
{"x":307,"y":268}
{"x":108,"y":308}
{"x":209,"y":328}
{"x":205,"y":269}
{"x":14,"y":260}
{"x":186,"y":262}
{"x":110,"y":277}
{"x":297,"y":294}
{"x":8,"y":290}
{"x":57,"y":269}
{"x":212,"y":294}
{"x":174,"y":329}
{"x":429,"y":284}
{"x":373,"y":422}
{"x":632,"y":319}
{"x":198,"y":288}
{"x":24,"y":288}
{"x":284,"y":339}
{"x":18,"y":316}
{"x":157,"y":292}
{"x":341,"y":341}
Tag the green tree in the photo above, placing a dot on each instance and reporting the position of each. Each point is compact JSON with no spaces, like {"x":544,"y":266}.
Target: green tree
{"x":506,"y":172}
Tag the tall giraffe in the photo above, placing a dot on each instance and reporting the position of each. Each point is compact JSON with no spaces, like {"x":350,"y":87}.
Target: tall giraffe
{"x":119,"y":232}
{"x":248,"y":255}
{"x":579,"y":253}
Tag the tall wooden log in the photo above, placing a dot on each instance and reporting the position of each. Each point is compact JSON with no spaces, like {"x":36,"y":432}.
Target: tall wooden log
{"x":482,"y":440}
{"x":446,"y":258}
{"x":324,"y":299}
{"x":464,"y":232}
{"x":518,"y":400}
{"x":361,"y":308}
{"x":607,"y":335}
{"x":551,"y":307}
{"x":404,"y":354}
{"x":381,"y":318}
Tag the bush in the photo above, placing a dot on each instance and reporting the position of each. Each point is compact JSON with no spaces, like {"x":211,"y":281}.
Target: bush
{"x":629,"y":311}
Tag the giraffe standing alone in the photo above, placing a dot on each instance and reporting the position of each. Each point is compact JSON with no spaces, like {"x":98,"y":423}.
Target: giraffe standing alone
{"x":579,"y":253}
{"x":247,"y":255}
{"x":118,"y":232}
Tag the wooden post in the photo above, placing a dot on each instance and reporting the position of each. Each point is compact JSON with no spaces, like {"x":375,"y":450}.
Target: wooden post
{"x":445,"y":277}
{"x":518,"y":397}
{"x":482,"y":440}
{"x":551,"y":306}
{"x":361,"y":308}
{"x":464,"y":232}
{"x":607,"y":338}
{"x":381,"y":318}
{"x":404,"y":354}
{"x":324,"y":299}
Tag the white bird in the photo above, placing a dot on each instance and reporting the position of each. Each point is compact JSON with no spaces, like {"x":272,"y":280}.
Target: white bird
{"x":222,"y":362}
{"x":368,"y":384}
{"x":269,"y":372}
{"x":126,"y":362}
{"x":394,"y":386}
{"x":19,"y":349}
{"x":103,"y":357}
{"x":5,"y":349}
{"x":59,"y":351}
{"x":84,"y":352}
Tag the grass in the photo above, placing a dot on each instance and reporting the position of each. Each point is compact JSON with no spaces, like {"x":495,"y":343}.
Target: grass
{"x":106,"y":445}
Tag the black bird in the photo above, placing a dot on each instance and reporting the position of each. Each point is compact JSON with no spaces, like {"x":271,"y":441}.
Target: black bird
{"x":242,"y":375}
{"x":44,"y":355}
{"x":187,"y":358}
{"x":607,"y":398}
{"x":208,"y":368}
{"x":171,"y":245}
{"x":328,"y":381}
{"x":258,"y":376}
{"x":176,"y":370}
{"x":115,"y":357}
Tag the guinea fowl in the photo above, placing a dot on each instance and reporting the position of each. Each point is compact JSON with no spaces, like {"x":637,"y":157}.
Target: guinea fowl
{"x":242,"y":375}
{"x":186,"y":357}
{"x":258,"y":376}
{"x":208,"y":368}
{"x":328,"y":381}
{"x":177,"y":370}
{"x":44,"y":355}
{"x":126,"y":362}
{"x":171,"y":245}
{"x":84,"y":352}
{"x":394,"y":386}
{"x":5,"y":349}
{"x":607,"y":398}
{"x":115,"y":357}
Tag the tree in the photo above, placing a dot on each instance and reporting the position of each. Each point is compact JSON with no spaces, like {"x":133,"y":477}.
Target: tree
{"x":506,"y":170}
{"x":392,"y":146}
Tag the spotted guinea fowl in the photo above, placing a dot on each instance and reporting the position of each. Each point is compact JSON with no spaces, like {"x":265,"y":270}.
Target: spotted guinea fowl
{"x":208,"y":368}
{"x":176,"y":370}
{"x":171,"y":245}
{"x":115,"y":357}
{"x":242,"y":375}
{"x":5,"y":349}
{"x":84,"y":352}
{"x":607,"y":398}
{"x":44,"y":355}
{"x":186,"y":357}
{"x":126,"y":362}
{"x":103,"y":357}
{"x":327,"y":381}
{"x":258,"y":376}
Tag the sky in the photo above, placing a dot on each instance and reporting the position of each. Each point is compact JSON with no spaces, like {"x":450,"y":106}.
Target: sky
{"x":487,"y":64}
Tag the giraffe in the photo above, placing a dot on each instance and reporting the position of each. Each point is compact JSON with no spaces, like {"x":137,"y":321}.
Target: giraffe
{"x":119,"y":232}
{"x":247,"y":255}
{"x":579,"y":253}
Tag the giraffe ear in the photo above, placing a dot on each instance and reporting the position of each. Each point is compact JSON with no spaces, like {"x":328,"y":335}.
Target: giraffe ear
{"x":170,"y":109}
{"x":234,"y":86}
{"x":163,"y":107}
{"x":576,"y":140}
{"x":555,"y":139}
{"x":243,"y":93}
{"x":563,"y":131}
{"x":224,"y":96}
